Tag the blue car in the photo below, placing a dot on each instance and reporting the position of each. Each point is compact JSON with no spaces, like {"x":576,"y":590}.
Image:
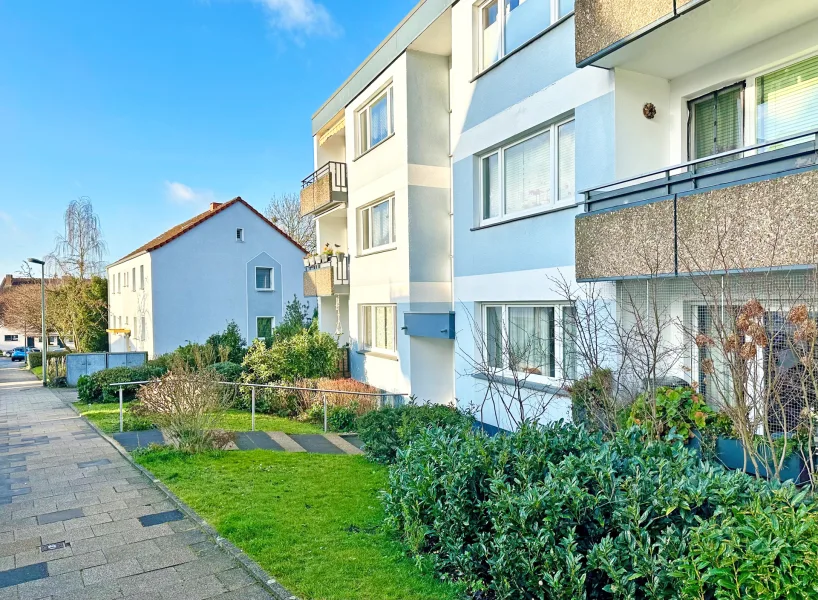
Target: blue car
{"x":18,"y":354}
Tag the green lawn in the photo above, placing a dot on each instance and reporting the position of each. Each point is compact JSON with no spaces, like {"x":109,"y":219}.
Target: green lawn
{"x":106,"y":417}
{"x":38,"y":371}
{"x":312,"y":521}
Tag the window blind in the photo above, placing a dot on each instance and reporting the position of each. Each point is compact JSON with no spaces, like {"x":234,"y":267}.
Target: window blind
{"x":787,"y":101}
{"x":717,"y":122}
{"x":528,"y":174}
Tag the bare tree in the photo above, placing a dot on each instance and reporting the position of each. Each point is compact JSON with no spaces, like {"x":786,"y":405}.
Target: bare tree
{"x":284,"y":211}
{"x":81,"y":250}
{"x":20,"y":309}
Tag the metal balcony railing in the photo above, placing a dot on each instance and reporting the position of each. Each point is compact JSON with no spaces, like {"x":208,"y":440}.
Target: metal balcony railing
{"x":769,"y":159}
{"x":338,"y":263}
{"x":338,"y":176}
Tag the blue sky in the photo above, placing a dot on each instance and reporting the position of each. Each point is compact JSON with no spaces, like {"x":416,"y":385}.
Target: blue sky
{"x":153,"y":108}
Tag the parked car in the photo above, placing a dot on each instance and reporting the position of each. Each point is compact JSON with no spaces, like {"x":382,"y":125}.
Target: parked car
{"x":8,"y":352}
{"x":33,"y":350}
{"x":18,"y":354}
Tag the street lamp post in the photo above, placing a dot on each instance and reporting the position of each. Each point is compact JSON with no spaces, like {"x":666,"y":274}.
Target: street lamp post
{"x":37,"y":261}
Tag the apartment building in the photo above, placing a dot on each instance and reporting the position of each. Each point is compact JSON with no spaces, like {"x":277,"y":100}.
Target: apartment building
{"x":713,"y":203}
{"x":488,"y":154}
{"x":228,"y":263}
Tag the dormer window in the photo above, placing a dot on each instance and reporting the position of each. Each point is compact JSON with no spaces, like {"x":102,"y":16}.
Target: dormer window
{"x":239,"y":234}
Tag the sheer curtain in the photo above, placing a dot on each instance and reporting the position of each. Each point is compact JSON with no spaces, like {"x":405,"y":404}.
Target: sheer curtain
{"x":379,"y":121}
{"x":491,"y":186}
{"x":531,"y":338}
{"x":494,"y":336}
{"x":528,"y":174}
{"x":567,"y":150}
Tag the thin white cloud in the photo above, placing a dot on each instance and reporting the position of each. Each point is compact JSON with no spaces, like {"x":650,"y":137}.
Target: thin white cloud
{"x":300,"y":17}
{"x":179,"y":193}
{"x":7,"y":222}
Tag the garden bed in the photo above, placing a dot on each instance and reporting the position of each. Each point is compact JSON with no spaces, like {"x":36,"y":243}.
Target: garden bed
{"x":311,"y":521}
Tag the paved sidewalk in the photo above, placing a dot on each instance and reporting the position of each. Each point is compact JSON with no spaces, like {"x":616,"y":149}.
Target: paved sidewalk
{"x":77,"y":521}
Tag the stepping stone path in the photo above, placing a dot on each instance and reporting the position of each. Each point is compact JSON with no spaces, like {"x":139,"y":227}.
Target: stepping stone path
{"x":276,"y":441}
{"x":80,"y":522}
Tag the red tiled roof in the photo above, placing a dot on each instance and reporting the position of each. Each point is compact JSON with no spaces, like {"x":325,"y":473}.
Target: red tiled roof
{"x":174,"y":232}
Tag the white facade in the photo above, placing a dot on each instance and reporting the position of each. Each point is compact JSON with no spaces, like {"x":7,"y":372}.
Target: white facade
{"x":191,"y":286}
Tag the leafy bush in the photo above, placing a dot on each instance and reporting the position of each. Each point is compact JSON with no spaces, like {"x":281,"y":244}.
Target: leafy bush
{"x":346,"y":393}
{"x":296,"y":319}
{"x":229,"y":343}
{"x":308,"y":354}
{"x":387,"y":430}
{"x":766,"y":549}
{"x":34,"y":360}
{"x":97,"y":387}
{"x":557,"y":513}
{"x":227,"y":371}
{"x":592,"y":402}
{"x":678,"y":410}
{"x":342,"y":418}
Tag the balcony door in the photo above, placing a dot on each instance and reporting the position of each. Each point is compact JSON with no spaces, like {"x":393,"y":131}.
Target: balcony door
{"x":716,"y":122}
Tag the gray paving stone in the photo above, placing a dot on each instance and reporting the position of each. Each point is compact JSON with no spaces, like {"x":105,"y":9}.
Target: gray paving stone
{"x":234,"y":579}
{"x":137,"y":550}
{"x":153,"y":581}
{"x":60,"y":515}
{"x":166,"y":558}
{"x":43,"y":588}
{"x":29,"y":557}
{"x":253,"y":592}
{"x":199,"y":589}
{"x":23,"y":574}
{"x":114,"y":570}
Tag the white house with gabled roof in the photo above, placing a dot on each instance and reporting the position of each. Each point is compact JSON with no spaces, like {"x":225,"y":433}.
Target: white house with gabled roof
{"x":229,"y":263}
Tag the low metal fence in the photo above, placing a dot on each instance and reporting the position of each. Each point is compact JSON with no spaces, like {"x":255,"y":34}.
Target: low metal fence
{"x":384,"y":398}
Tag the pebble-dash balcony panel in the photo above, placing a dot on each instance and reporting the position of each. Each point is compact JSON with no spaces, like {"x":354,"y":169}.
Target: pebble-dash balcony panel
{"x":602,"y":23}
{"x":316,"y":195}
{"x":628,"y":242}
{"x":767,"y":223}
{"x":318,"y":283}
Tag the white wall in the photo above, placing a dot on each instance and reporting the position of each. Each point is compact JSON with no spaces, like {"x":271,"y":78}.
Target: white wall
{"x":132,"y":302}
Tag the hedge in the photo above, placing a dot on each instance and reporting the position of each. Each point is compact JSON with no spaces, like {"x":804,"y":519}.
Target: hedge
{"x":555,"y":513}
{"x":97,"y":387}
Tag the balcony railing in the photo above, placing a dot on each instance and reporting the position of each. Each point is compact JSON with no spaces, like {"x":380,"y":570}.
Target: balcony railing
{"x":731,"y":167}
{"x":326,"y":275}
{"x":324,"y":189}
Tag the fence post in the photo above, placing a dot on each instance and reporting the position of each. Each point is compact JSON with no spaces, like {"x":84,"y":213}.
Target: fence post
{"x":121,"y":388}
{"x":324,"y":397}
{"x":252,"y":409}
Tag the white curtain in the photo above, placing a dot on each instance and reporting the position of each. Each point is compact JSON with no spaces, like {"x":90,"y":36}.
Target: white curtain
{"x":531,"y":338}
{"x":381,"y":228}
{"x":379,"y":117}
{"x":494,"y":336}
{"x":491,"y":186}
{"x":528,"y":174}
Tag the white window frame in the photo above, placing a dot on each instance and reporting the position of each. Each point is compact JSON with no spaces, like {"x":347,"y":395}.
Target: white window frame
{"x":272,"y":279}
{"x":501,"y":13}
{"x":559,"y":337}
{"x":365,"y":111}
{"x":361,"y":331}
{"x":365,"y":213}
{"x":141,"y":277}
{"x":272,"y":323}
{"x":554,"y":158}
{"x":239,"y":234}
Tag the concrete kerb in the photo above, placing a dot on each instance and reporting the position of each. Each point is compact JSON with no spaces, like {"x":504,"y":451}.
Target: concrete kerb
{"x":252,"y":567}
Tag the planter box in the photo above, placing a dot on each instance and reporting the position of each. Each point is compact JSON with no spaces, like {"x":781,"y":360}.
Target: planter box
{"x":730,"y":453}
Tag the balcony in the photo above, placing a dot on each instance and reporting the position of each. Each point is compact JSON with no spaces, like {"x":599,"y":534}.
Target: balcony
{"x":326,"y":276}
{"x":667,"y":38}
{"x":748,"y":209}
{"x":324,"y":189}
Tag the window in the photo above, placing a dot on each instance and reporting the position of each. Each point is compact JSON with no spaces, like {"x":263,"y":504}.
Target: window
{"x":119,"y":283}
{"x":522,"y":177}
{"x":239,"y":235}
{"x":120,"y":321}
{"x":11,"y":338}
{"x":52,"y":340}
{"x":375,"y":121}
{"x":717,"y":122}
{"x":377,"y":225}
{"x":377,"y":327}
{"x":264,"y":279}
{"x":142,"y":327}
{"x":524,"y":338}
{"x":264,"y":327}
{"x":126,"y":279}
{"x":505,"y":25}
{"x":787,"y":101}
{"x":141,"y":277}
{"x":133,"y":278}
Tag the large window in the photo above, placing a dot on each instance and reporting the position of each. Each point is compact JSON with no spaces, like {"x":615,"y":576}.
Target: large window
{"x":529,"y":176}
{"x":376,"y":121}
{"x":787,"y":101}
{"x":505,"y":25}
{"x":264,"y":279}
{"x":11,"y":338}
{"x":377,"y":225}
{"x":264,"y":327}
{"x":377,"y":327}
{"x":534,"y":340}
